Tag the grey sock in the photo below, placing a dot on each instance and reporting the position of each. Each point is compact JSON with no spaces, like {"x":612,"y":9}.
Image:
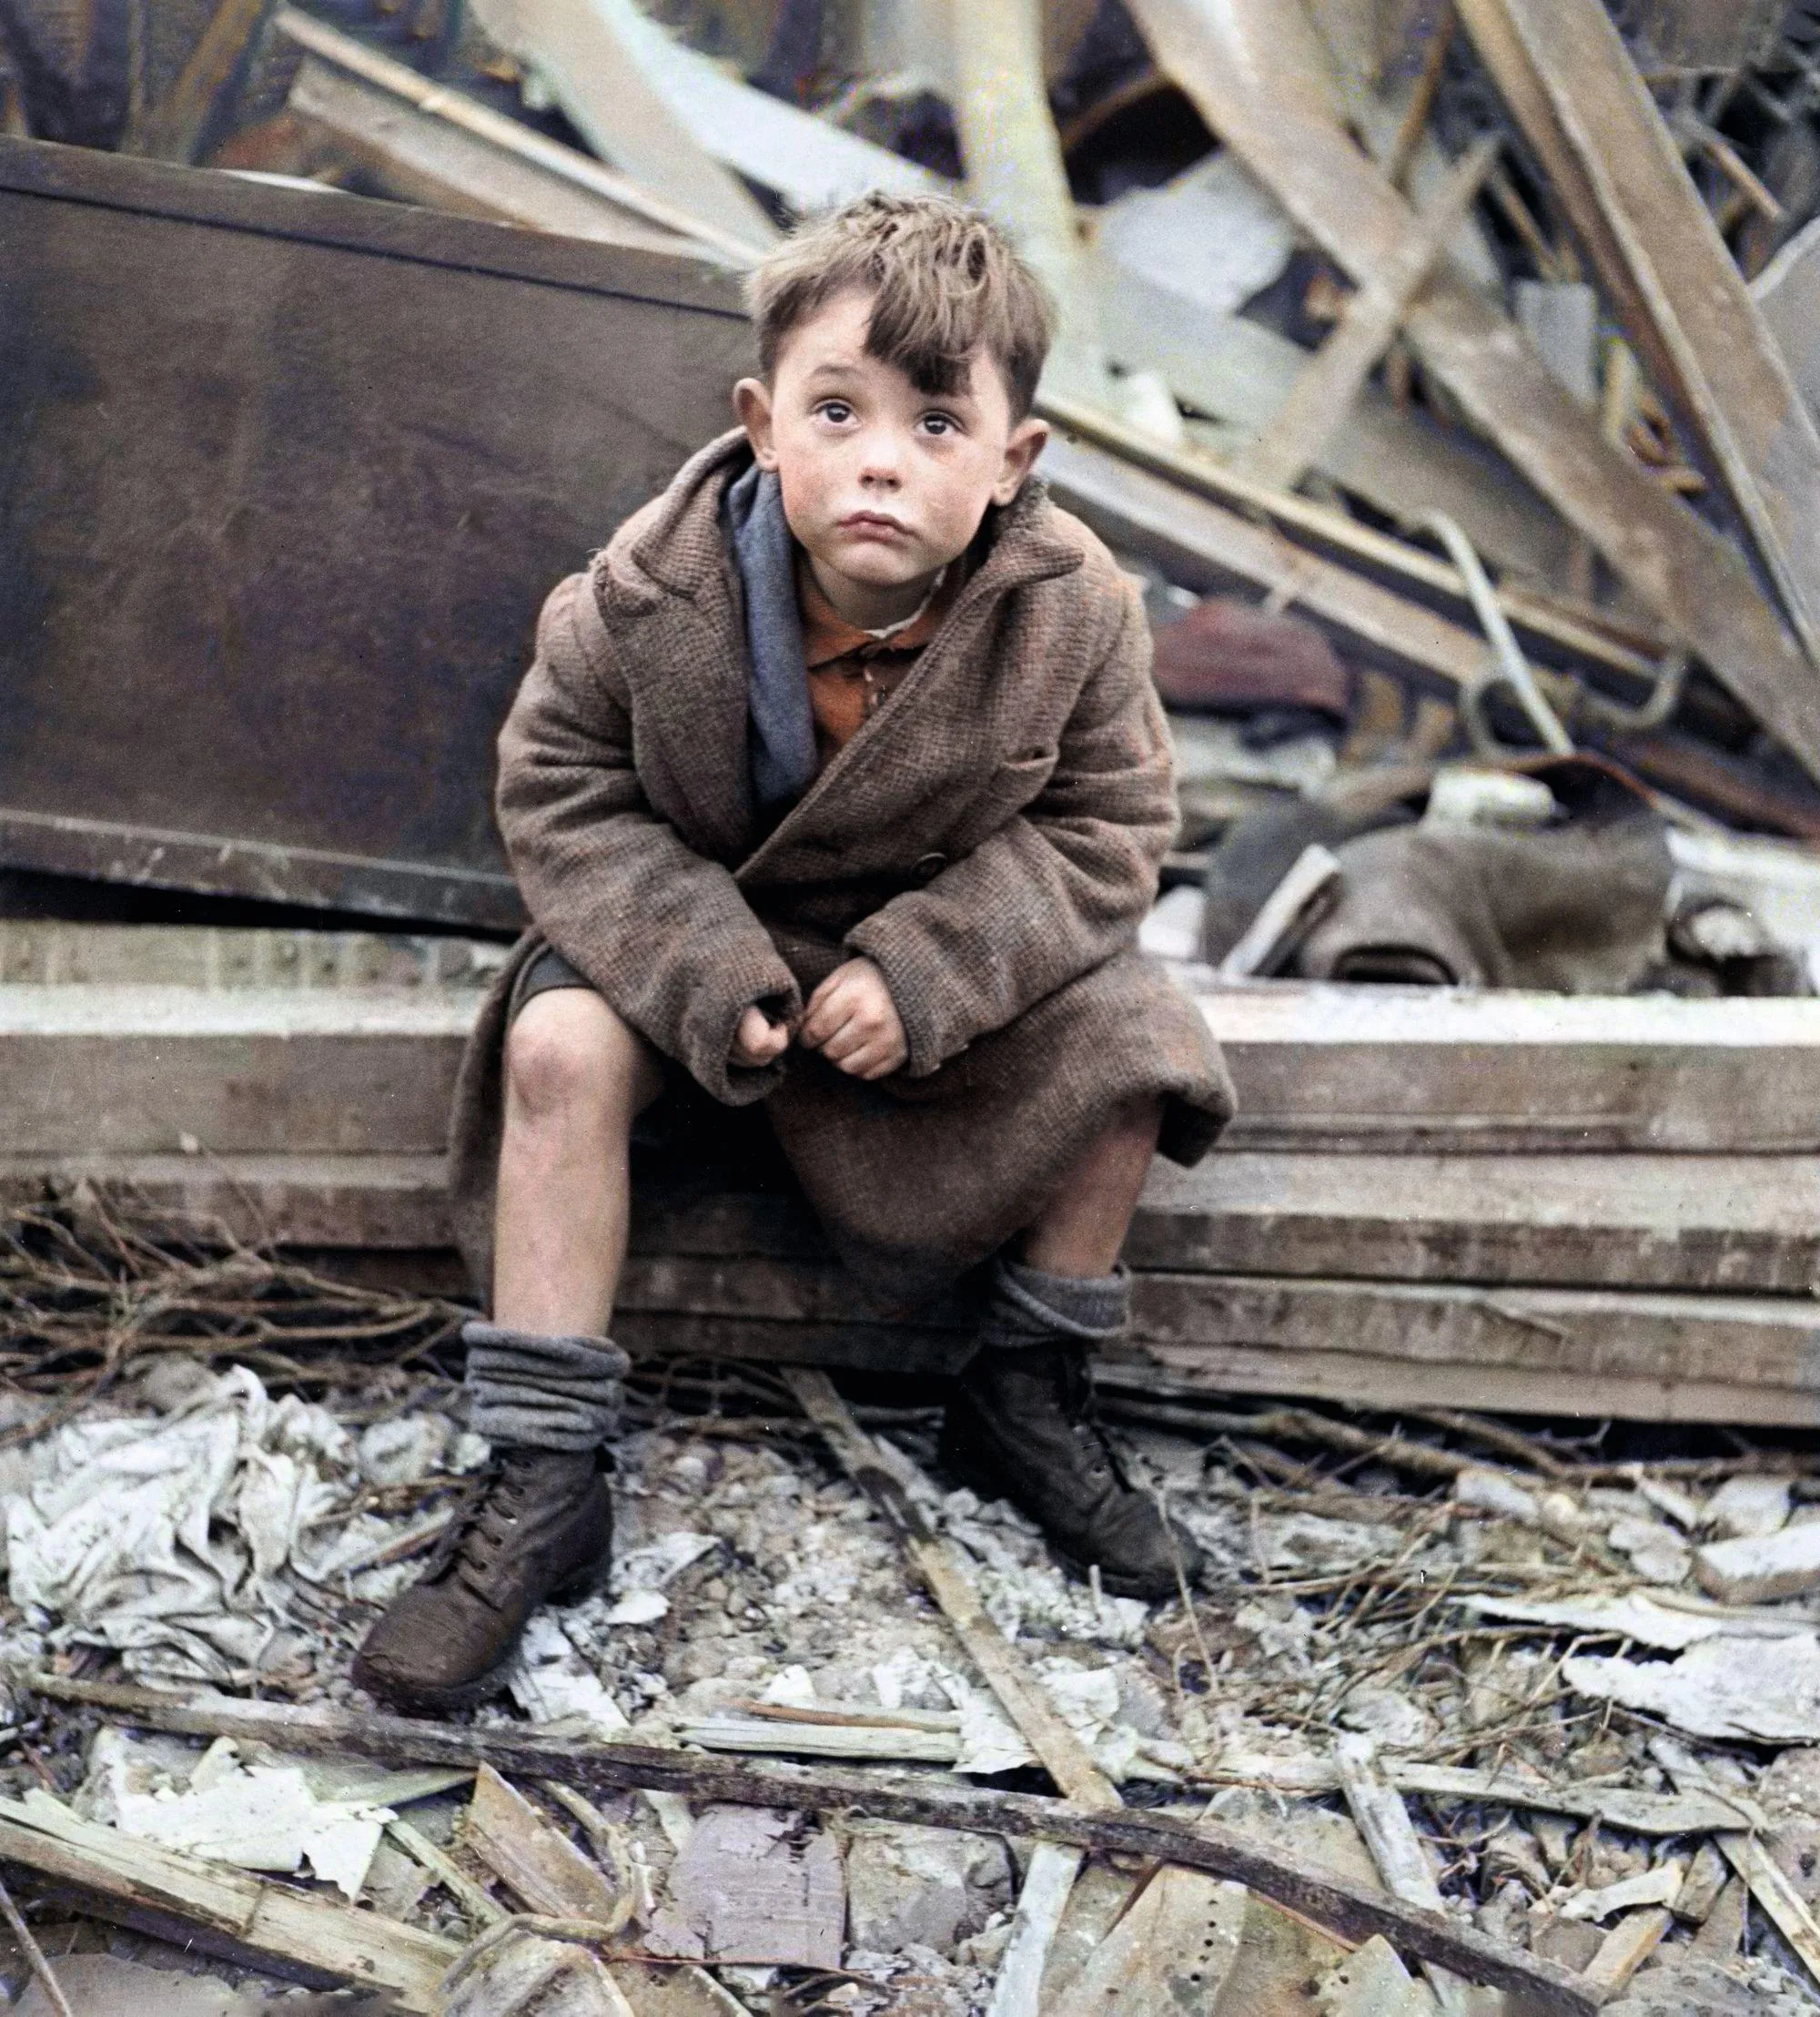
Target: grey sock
{"x":539,"y":1392}
{"x":1026,"y":1307}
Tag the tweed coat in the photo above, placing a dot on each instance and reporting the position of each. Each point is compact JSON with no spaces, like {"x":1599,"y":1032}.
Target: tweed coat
{"x":990,"y":838}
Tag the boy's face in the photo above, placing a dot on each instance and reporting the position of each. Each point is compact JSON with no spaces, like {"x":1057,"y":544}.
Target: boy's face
{"x":882,"y":485}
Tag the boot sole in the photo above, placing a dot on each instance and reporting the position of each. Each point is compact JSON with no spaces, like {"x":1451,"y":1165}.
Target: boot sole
{"x":976,"y":1474}
{"x":464,"y":1694}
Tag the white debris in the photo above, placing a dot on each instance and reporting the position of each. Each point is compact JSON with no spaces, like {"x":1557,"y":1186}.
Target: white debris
{"x":1657,"y":1554}
{"x":262,"y":1817}
{"x":1720,"y":1687}
{"x":1492,"y":1492}
{"x":1758,"y":1569}
{"x":405,"y":1449}
{"x":1660,"y":1886}
{"x":166,"y":1539}
{"x":1747,"y":1505}
{"x":554,"y":1682}
{"x":1638,"y":1615}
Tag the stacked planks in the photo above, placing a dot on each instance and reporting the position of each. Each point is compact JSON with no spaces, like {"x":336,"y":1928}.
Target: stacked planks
{"x":1493,"y":1201}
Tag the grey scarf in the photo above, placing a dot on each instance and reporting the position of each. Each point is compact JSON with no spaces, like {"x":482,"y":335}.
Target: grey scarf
{"x":782,"y":735}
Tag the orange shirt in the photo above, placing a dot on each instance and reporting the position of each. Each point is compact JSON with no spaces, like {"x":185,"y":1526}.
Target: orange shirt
{"x":853,"y":671}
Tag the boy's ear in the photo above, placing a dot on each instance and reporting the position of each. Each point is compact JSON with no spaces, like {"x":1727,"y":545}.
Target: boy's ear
{"x":1021,"y":451}
{"x":752,"y":403}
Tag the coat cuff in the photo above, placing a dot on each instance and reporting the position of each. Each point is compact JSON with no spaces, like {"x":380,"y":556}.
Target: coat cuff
{"x":706,"y":1036}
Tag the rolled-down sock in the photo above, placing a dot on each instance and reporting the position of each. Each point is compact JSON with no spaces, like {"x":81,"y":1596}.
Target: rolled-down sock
{"x":1026,"y":1307}
{"x":539,"y":1392}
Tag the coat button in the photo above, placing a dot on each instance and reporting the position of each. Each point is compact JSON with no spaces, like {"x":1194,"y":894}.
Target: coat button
{"x":929,"y":868}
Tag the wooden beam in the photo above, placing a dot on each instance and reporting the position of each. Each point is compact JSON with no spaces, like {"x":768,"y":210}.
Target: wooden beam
{"x":172,"y":129}
{"x":159,"y":1072}
{"x":1404,"y":463}
{"x":1354,"y":1911}
{"x":224,"y":1910}
{"x":1618,"y":172}
{"x":505,"y":136}
{"x":1734,"y":1225}
{"x":943,"y":1569}
{"x":1239,"y":62}
{"x":591,"y":55}
{"x":1323,"y":395}
{"x":1644,"y":1357}
{"x":417,"y":157}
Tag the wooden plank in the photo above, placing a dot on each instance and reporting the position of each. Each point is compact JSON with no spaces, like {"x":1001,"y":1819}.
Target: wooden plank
{"x":153,"y":1071}
{"x":1643,"y":1356}
{"x":226,"y":1910}
{"x":503,"y":138}
{"x":591,"y":56}
{"x":1738,"y":1224}
{"x":544,"y":1868}
{"x":1413,"y":1069}
{"x":1242,"y":63}
{"x":418,"y":158}
{"x":1735,"y":1224}
{"x":1405,"y":463}
{"x":1354,"y":1911}
{"x":1618,"y":172}
{"x":1323,"y":394}
{"x":1396,"y":1849}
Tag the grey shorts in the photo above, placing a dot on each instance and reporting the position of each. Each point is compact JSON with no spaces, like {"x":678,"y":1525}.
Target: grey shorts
{"x":684,"y":1133}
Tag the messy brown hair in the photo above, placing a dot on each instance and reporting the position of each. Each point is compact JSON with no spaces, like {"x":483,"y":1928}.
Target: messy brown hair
{"x":944,"y":279}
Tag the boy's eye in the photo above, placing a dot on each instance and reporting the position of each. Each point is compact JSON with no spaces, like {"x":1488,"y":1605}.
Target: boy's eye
{"x":836,"y":410}
{"x":941,"y":424}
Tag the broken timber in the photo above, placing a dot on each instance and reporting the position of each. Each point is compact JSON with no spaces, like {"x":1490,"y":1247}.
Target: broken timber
{"x":1617,"y":172}
{"x":223,"y":1909}
{"x":1352,"y":1911}
{"x":1323,"y":394}
{"x":1237,"y":63}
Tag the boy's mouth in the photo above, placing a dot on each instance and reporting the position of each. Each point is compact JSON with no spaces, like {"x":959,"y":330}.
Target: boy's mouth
{"x":875,"y":525}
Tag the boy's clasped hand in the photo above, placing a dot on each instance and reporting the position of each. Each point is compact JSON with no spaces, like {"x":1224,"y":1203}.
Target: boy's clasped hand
{"x":850,"y":1018}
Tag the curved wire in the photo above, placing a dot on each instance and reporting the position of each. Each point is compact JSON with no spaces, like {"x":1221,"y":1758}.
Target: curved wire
{"x":1512,"y":667}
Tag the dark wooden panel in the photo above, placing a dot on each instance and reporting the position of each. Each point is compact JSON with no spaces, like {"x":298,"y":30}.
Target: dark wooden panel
{"x":284,"y":478}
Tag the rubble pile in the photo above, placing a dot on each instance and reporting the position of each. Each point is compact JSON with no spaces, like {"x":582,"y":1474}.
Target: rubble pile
{"x":1579,"y":1687}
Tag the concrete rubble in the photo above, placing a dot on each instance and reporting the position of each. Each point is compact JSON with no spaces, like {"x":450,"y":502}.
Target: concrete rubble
{"x":1504,"y":1663}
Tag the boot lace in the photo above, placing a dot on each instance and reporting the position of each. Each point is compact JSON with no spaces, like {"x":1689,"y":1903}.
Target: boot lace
{"x":1077,"y":1397}
{"x":484,"y":1523}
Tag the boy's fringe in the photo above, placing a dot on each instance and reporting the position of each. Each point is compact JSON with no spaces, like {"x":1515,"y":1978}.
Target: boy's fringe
{"x":944,"y":283}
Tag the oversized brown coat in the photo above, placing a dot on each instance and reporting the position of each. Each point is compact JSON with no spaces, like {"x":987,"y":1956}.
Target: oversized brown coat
{"x":991,"y":838}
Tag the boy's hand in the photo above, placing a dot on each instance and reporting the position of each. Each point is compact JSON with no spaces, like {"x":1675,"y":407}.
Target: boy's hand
{"x":853,"y":1021}
{"x":758,"y":1040}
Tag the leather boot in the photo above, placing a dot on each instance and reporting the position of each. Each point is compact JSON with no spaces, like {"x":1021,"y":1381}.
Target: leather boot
{"x":1022,"y":1428}
{"x":539,"y":1527}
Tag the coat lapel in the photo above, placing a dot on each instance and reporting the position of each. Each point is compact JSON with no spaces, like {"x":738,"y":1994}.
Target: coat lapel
{"x":924,"y":753}
{"x":674,"y":600}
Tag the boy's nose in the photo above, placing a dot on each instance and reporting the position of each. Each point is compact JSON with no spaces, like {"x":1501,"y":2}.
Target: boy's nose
{"x":881,"y":467}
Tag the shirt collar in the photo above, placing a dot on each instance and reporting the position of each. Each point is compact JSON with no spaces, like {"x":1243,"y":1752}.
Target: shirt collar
{"x":827,"y":635}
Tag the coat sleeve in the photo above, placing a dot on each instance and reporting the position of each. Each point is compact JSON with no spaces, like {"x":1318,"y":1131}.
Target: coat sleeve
{"x":662,"y":932}
{"x":1057,"y":890}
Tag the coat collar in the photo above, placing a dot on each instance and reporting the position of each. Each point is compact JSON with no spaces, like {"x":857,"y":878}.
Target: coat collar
{"x":670,"y":578}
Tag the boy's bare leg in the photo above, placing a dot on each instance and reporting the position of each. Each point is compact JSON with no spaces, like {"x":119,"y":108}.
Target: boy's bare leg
{"x":542,"y":1375}
{"x":1082,"y":1228}
{"x":576,"y":1077}
{"x":1020,"y":1427}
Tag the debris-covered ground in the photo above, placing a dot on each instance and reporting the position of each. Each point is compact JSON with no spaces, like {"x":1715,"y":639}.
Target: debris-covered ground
{"x":1593,"y":1681}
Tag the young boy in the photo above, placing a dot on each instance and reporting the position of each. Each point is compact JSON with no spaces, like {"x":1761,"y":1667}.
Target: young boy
{"x":838,"y":782}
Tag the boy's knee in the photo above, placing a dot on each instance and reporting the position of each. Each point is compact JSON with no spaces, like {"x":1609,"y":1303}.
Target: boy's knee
{"x":567,"y":1051}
